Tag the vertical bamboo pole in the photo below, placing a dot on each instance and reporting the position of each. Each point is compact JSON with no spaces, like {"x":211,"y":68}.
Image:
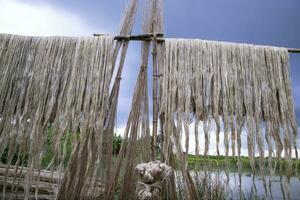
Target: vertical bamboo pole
{"x":155,"y":103}
{"x":157,"y":27}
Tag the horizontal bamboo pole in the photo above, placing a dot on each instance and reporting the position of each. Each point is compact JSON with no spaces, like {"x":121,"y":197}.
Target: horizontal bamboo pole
{"x":159,"y":38}
{"x":292,"y":50}
{"x":144,"y":37}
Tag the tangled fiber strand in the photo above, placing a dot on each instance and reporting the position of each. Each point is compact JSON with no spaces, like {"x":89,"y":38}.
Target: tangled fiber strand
{"x":244,"y":85}
{"x":59,"y":83}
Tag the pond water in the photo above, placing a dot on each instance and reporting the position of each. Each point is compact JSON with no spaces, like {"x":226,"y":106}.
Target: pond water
{"x":276,"y":187}
{"x":247,"y":187}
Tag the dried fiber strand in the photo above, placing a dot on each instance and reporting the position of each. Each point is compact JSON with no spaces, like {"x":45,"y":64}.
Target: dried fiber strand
{"x":245,"y":86}
{"x":51,"y":86}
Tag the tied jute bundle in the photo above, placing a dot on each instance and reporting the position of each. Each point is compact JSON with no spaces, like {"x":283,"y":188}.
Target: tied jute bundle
{"x":234,"y":86}
{"x":58,"y":85}
{"x":151,"y":176}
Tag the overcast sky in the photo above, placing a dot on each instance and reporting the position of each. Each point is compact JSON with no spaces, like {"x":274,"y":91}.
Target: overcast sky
{"x":265,"y":22}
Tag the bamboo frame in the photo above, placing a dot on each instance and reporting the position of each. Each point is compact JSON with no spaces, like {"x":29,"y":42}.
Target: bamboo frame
{"x":160,"y":38}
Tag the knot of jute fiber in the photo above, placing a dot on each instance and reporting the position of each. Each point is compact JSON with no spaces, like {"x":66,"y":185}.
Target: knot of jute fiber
{"x":150,"y":178}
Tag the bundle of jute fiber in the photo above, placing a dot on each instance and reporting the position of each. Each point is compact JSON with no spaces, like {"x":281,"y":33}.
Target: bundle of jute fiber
{"x":245,"y":87}
{"x":53,"y":98}
{"x":151,"y":177}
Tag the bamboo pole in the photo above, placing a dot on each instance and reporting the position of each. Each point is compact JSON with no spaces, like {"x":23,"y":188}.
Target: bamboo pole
{"x":160,"y":38}
{"x":142,"y":37}
{"x":155,"y":103}
{"x":293,"y":50}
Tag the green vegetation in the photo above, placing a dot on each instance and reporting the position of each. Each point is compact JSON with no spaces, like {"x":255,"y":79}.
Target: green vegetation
{"x":219,"y":162}
{"x":117,"y":142}
{"x":4,"y":157}
{"x":65,"y":146}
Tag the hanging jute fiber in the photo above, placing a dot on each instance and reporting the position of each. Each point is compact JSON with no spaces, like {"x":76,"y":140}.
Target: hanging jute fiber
{"x":232,"y":88}
{"x":136,"y":145}
{"x":53,"y":101}
{"x":121,"y":48}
